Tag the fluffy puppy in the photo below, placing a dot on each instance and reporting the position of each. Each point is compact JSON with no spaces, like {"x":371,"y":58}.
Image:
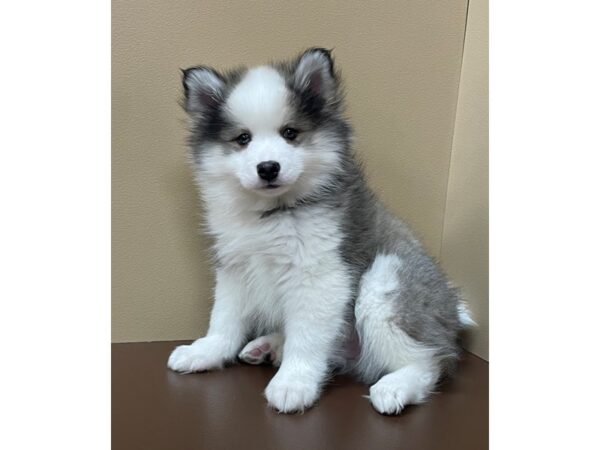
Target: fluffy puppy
{"x":312,"y":272}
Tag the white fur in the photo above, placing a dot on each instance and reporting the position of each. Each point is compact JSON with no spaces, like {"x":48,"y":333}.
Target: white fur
{"x":464,"y":315}
{"x":258,"y":105}
{"x":411,"y":367}
{"x":259,"y":101}
{"x":411,"y":384}
{"x":281,"y":273}
{"x":290,"y":272}
{"x":293,"y":281}
{"x":225,"y":334}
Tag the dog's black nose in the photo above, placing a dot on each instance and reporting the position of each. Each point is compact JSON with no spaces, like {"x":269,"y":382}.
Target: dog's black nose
{"x":268,"y":170}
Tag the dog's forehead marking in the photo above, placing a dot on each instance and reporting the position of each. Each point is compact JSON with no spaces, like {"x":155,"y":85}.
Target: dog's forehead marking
{"x":259,"y":101}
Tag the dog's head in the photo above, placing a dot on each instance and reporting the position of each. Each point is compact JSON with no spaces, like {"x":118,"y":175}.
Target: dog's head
{"x":274,"y":131}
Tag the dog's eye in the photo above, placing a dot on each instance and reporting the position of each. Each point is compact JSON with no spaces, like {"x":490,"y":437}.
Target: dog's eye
{"x":243,"y":139}
{"x":289,"y":134}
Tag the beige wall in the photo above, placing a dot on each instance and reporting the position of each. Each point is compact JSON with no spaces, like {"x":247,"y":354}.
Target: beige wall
{"x":401,"y":61}
{"x":464,"y":252}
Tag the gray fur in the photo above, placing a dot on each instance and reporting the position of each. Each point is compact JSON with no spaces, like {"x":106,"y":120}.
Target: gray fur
{"x":426,"y":303}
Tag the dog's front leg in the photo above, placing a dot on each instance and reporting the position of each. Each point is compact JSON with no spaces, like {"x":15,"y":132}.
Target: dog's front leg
{"x":313,"y":325}
{"x":225,"y":335}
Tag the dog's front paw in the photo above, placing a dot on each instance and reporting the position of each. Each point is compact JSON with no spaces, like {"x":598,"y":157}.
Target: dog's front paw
{"x":291,"y":395}
{"x":387,"y":399}
{"x":196,"y":357}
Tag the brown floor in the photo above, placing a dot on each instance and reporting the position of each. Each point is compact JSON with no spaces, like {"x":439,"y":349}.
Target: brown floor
{"x":154,"y":408}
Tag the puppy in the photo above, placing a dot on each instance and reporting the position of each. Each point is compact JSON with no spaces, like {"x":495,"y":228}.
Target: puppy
{"x":312,"y":272}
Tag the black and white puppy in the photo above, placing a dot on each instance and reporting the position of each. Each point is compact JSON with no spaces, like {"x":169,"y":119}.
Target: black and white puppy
{"x":312,"y":272}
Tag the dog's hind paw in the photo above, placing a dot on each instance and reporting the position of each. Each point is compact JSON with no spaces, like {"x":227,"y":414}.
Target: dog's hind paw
{"x":265,"y":349}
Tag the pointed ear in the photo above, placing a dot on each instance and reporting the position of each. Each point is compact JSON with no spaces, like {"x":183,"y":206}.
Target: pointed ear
{"x":315,"y":74}
{"x":203,"y":88}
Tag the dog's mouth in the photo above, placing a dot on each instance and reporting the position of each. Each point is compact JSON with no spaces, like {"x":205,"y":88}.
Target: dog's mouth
{"x":272,"y":189}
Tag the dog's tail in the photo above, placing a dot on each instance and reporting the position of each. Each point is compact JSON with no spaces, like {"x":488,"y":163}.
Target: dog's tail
{"x":464,"y":315}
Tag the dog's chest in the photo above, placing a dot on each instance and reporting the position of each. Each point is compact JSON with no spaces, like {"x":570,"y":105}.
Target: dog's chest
{"x":277,"y":258}
{"x":279,"y":253}
{"x":287,"y":240}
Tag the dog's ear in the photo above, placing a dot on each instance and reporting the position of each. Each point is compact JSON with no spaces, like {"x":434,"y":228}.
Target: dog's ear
{"x":315,"y":74}
{"x":203,"y":89}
